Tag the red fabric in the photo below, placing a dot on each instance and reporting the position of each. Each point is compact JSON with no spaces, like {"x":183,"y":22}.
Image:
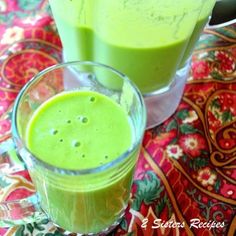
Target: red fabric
{"x":186,"y":168}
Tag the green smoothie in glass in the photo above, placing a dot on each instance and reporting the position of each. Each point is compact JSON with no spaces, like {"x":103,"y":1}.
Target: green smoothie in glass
{"x":143,"y":39}
{"x":80,"y":142}
{"x":80,"y":130}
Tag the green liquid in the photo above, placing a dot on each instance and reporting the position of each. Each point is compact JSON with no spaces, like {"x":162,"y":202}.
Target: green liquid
{"x":146,"y":41}
{"x":80,"y":130}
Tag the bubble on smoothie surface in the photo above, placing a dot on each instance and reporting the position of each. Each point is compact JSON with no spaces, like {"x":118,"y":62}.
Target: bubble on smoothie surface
{"x":92,"y":99}
{"x":53,"y":131}
{"x":76,"y":143}
{"x":83,"y":119}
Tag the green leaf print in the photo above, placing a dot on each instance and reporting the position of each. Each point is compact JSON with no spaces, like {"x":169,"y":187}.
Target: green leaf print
{"x":227,"y":117}
{"x":148,"y":190}
{"x":29,"y":4}
{"x":7,"y":18}
{"x":58,"y":233}
{"x":216,"y":75}
{"x":160,"y":206}
{"x":226,"y":32}
{"x":184,"y":158}
{"x":211,"y":55}
{"x":38,"y":226}
{"x":183,"y":114}
{"x":188,"y":129}
{"x":3,"y":183}
{"x":215,"y":103}
{"x":198,"y":163}
{"x":44,"y":221}
{"x":164,"y":201}
{"x":172,"y":125}
{"x":217,"y":185}
{"x":174,"y":140}
{"x":30,"y":228}
{"x":124,"y":224}
{"x":204,"y":152}
{"x":206,"y":42}
{"x":20,"y":231}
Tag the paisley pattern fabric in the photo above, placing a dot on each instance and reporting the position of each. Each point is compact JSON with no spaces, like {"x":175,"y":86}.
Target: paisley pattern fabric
{"x":185,"y":180}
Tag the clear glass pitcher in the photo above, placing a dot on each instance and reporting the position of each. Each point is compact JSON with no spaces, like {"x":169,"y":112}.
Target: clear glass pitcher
{"x":143,"y":39}
{"x":149,"y":41}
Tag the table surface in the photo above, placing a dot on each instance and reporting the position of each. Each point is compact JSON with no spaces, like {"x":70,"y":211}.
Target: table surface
{"x":187,"y":166}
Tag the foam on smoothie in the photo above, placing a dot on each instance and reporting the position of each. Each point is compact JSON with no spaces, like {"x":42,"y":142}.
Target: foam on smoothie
{"x":78,"y":130}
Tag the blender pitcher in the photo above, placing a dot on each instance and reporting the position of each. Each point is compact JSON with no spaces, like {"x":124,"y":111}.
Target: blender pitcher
{"x":145,"y":40}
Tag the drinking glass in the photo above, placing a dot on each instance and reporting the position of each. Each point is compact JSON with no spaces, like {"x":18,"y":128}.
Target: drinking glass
{"x":85,"y":201}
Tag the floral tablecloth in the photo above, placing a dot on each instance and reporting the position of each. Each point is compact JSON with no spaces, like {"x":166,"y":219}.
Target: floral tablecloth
{"x":185,"y":181}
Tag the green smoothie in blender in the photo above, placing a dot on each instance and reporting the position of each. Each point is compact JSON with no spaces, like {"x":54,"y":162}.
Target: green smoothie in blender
{"x":145,"y":40}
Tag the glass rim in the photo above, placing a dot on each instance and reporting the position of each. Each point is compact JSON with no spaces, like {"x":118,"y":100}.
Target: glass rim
{"x":17,"y":137}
